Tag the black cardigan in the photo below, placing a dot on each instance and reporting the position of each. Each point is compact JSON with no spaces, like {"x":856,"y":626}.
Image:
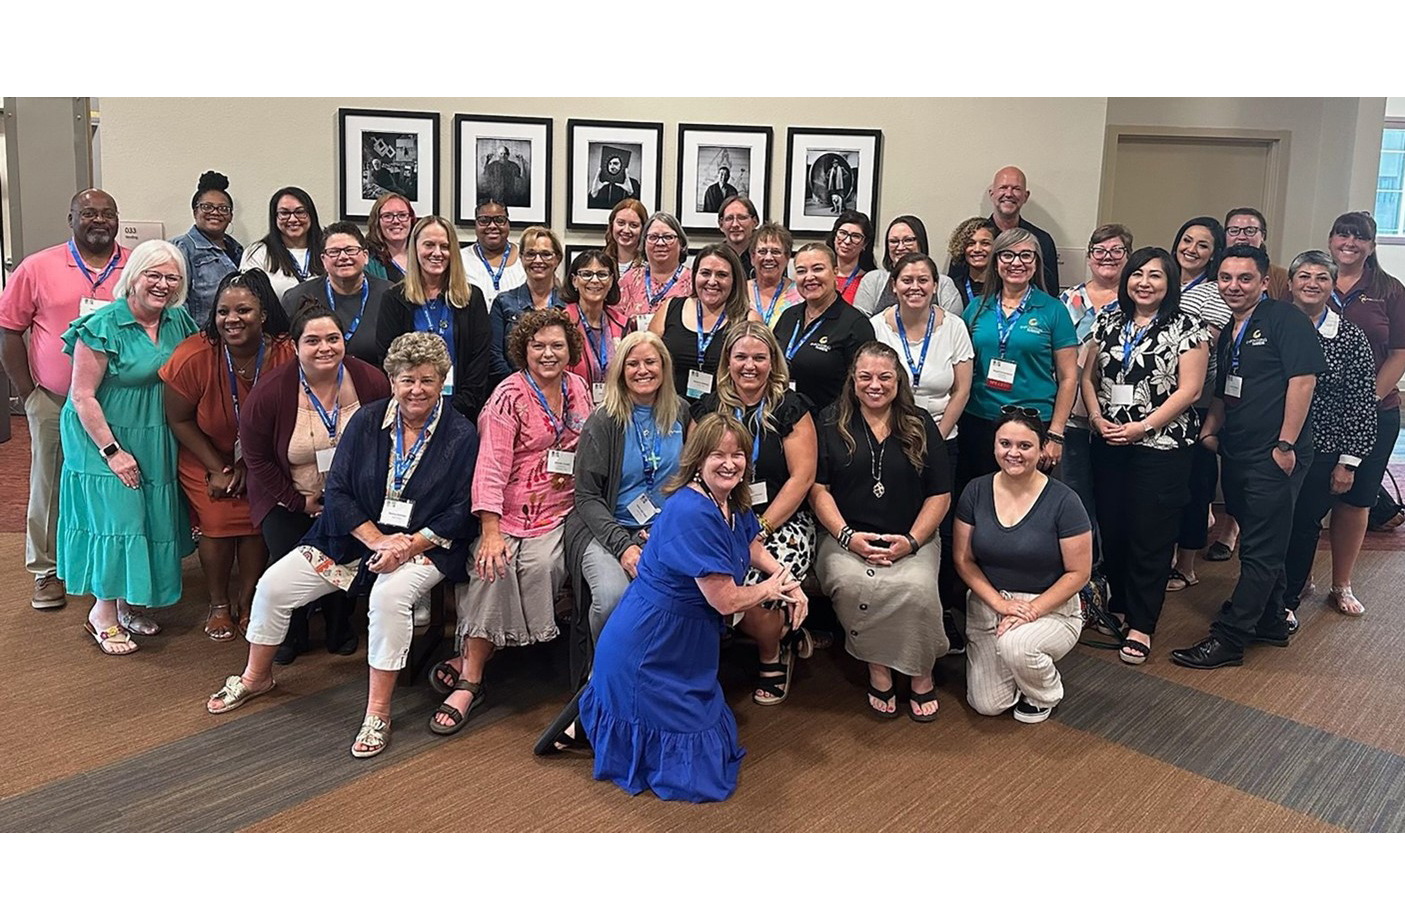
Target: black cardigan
{"x":472,"y":340}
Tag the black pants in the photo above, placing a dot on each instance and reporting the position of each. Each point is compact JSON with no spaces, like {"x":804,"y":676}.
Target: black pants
{"x":1204,"y":476}
{"x":1140,"y":493}
{"x":950,"y":588}
{"x":1262,"y":499}
{"x":1314,"y":501}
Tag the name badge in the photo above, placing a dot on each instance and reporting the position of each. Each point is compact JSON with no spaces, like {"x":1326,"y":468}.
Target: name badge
{"x":449,"y":383}
{"x":562,"y":462}
{"x":643,"y":509}
{"x":238,"y":451}
{"x":1001,"y":375}
{"x":792,"y":385}
{"x":699,"y":383}
{"x":758,"y":494}
{"x":324,"y":458}
{"x":396,"y":512}
{"x":597,"y":392}
{"x":1122,"y":395}
{"x":1233,"y":386}
{"x":641,"y":321}
{"x":89,"y":305}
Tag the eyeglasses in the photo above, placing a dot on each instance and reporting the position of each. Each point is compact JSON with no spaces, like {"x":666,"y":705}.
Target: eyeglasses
{"x":661,"y":238}
{"x":538,"y":255}
{"x":851,"y":237}
{"x":1248,"y":231}
{"x":596,"y":275}
{"x":223,"y":209}
{"x":909,"y":240}
{"x":770,"y":252}
{"x":153,"y":277}
{"x":1025,"y":411}
{"x":486,"y":221}
{"x":285,"y":214}
{"x":350,"y":250}
{"x":395,"y":217}
{"x":1116,"y":253}
{"x":1024,"y":257}
{"x":734,"y":219}
{"x":108,"y":214}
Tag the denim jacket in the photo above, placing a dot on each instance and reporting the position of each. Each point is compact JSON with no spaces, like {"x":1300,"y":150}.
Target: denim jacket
{"x":507,"y":308}
{"x":206,"y":265}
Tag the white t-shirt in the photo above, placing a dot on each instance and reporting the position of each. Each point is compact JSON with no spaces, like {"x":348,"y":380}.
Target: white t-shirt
{"x":513,"y":275}
{"x":256,"y":257}
{"x":950,"y":345}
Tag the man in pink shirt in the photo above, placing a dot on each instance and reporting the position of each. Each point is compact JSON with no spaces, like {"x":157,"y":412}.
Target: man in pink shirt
{"x":45,"y":294}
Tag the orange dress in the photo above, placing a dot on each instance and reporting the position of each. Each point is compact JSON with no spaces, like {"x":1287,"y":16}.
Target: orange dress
{"x":198,"y":372}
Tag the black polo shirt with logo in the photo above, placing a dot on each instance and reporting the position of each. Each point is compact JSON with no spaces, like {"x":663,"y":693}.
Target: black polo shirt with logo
{"x":820,"y":366}
{"x":1280,"y":343}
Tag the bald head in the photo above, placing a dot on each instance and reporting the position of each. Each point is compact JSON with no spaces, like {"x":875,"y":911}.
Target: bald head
{"x":93,"y":217}
{"x":1008,"y":193}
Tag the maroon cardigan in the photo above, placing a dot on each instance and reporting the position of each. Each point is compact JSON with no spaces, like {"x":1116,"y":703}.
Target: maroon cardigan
{"x":266,"y":426}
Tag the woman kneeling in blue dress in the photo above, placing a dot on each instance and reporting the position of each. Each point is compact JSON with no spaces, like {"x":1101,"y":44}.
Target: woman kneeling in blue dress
{"x":653,"y":709}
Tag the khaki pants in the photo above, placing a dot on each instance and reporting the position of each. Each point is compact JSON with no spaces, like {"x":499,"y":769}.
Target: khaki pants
{"x":1021,"y":660}
{"x":42,"y":409}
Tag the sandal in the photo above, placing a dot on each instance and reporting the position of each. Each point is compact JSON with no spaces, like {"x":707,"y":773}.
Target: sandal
{"x":1345,"y":601}
{"x":112,"y":635}
{"x":883,"y":696}
{"x":234,"y":694}
{"x":1219,"y":552}
{"x":921,"y":698}
{"x":774,"y":680}
{"x":219,"y":625}
{"x":458,"y":717}
{"x":137,"y":623}
{"x":443,"y":677}
{"x":1179,"y":581}
{"x":374,"y":735}
{"x":1134,"y":652}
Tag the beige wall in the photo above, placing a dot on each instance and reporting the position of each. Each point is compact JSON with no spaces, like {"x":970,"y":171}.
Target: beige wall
{"x":938,"y":154}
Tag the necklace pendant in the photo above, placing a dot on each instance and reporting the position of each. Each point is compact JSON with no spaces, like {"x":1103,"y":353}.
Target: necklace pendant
{"x":878,"y":490}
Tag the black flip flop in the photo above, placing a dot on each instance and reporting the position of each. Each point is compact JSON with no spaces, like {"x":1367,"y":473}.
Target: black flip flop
{"x":883,"y":696}
{"x":922,"y":698}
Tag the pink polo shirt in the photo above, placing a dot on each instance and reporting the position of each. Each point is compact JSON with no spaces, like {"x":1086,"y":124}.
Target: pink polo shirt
{"x":42,"y":297}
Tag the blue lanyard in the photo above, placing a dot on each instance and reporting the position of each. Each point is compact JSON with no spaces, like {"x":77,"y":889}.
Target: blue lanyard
{"x":916,"y":367}
{"x":557,"y":425}
{"x":495,"y":277}
{"x":1131,"y":342}
{"x":651,"y":454}
{"x":705,"y":340}
{"x":1004,"y":329}
{"x":438,"y":318}
{"x":850,"y":281}
{"x":304,"y":271}
{"x":756,"y":429}
{"x":1238,"y":339}
{"x":970,"y":293}
{"x":1193,"y":283}
{"x":649,"y":285}
{"x":328,"y":421}
{"x":107,"y":271}
{"x":1323,"y":319}
{"x":365,"y":294}
{"x":401,"y":460}
{"x":598,"y":349}
{"x":770,"y":309}
{"x":793,"y":347}
{"x":233,"y":381}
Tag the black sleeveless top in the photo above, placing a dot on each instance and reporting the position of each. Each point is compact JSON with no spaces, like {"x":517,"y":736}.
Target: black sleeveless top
{"x":682,"y":345}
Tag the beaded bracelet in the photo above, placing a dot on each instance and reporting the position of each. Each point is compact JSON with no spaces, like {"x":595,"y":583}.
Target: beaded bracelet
{"x":845,"y":536}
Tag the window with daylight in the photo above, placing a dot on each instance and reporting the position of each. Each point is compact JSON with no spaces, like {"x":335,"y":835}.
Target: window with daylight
{"x":1390,"y":185}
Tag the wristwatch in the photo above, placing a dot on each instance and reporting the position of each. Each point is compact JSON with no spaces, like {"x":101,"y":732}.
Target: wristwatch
{"x":110,"y":450}
{"x":1284,"y":446}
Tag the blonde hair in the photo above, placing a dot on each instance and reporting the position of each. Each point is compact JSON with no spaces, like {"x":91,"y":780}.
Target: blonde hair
{"x":703,"y":441}
{"x":145,"y":256}
{"x":534,"y":233}
{"x":618,"y":405}
{"x":728,"y":401}
{"x":459,"y":292}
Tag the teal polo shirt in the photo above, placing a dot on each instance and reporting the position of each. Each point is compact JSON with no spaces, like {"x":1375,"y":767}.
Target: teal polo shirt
{"x":1043,"y":327}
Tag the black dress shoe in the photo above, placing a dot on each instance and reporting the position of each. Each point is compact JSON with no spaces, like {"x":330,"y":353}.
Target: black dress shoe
{"x":1277,"y":636}
{"x":1210,"y":654}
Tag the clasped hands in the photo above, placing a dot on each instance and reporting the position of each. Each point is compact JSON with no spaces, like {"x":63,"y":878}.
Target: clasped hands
{"x":1014,"y":612}
{"x":390,"y":552}
{"x":1115,"y":433}
{"x":782,"y":587}
{"x":863,"y":545}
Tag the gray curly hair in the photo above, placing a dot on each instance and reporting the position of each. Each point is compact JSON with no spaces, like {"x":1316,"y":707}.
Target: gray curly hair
{"x":417,"y":348}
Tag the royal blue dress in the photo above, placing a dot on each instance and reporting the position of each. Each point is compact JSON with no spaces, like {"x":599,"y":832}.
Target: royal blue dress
{"x":654,"y":710}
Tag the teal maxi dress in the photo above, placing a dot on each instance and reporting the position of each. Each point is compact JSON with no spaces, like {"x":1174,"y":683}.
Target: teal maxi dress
{"x":116,"y":542}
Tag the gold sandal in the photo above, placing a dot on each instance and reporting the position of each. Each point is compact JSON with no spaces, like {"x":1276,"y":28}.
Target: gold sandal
{"x":234,"y":694}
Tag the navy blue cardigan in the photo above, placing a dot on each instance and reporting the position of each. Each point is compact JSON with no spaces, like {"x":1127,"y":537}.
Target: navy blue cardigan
{"x":440,"y":489}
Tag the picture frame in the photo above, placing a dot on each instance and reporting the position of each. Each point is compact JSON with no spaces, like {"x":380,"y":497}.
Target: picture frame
{"x":506,"y":158}
{"x":609,"y":161}
{"x":704,"y":151}
{"x":381,"y":151}
{"x":828,"y":170}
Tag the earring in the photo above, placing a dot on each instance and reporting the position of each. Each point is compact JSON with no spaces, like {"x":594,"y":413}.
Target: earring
{"x":697,"y":476}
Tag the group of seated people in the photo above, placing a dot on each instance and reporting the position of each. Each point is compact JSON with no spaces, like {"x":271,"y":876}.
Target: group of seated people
{"x":698,"y":445}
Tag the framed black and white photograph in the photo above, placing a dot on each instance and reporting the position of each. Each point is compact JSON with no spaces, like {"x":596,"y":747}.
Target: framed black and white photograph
{"x":716,"y":162}
{"x":387,"y":152}
{"x":610,"y":161}
{"x":507,"y":159}
{"x":827,"y":172}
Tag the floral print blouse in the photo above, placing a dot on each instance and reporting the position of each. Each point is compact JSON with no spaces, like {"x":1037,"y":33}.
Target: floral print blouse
{"x":1153,"y":371}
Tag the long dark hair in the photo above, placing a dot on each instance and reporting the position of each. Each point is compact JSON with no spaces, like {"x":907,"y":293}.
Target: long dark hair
{"x":256,"y":282}
{"x":1216,"y":232}
{"x":1171,"y":304}
{"x":866,"y":261}
{"x":279,"y":260}
{"x":908,"y":425}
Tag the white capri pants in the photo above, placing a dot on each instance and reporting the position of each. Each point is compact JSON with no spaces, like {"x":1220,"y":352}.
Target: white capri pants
{"x":1021,"y":660}
{"x":291,"y":582}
